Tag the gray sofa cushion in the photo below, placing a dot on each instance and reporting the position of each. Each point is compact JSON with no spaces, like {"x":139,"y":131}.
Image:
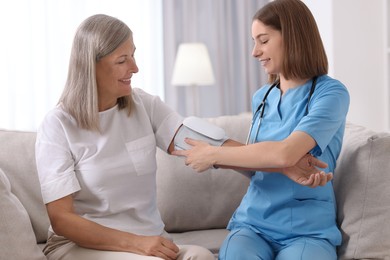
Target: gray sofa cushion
{"x":17,"y":239}
{"x":362,"y":186}
{"x":17,"y":159}
{"x":194,"y":201}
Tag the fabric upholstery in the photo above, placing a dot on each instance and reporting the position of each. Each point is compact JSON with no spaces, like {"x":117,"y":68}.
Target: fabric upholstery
{"x":202,"y":203}
{"x":17,"y":239}
{"x":195,"y":201}
{"x":17,"y":159}
{"x":362,"y":186}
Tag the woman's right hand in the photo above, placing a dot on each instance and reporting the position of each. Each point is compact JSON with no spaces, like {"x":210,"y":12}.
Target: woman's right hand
{"x":156,"y":246}
{"x":85,"y":233}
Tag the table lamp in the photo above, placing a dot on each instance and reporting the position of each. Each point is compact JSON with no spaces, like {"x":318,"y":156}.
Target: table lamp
{"x":192,"y":69}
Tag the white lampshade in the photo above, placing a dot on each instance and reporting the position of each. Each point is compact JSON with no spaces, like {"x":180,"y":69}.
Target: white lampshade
{"x":192,"y":66}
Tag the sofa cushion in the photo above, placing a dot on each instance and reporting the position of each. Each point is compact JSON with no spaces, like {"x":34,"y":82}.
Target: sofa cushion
{"x":17,"y":239}
{"x":17,"y":159}
{"x":189,"y":200}
{"x":362,"y":187}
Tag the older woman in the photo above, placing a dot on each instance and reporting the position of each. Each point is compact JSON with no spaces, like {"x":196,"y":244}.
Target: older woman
{"x":95,"y":154}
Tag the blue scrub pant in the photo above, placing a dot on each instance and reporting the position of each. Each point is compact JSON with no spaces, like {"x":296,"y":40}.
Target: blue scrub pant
{"x":245,"y":244}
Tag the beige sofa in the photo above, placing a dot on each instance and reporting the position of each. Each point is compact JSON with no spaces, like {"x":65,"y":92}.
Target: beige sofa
{"x":196,"y":207}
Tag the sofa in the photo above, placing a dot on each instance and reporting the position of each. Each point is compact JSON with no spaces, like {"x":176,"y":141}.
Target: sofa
{"x":196,"y":207}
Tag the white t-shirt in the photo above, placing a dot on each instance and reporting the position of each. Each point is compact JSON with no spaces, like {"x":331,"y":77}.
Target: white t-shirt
{"x":112,"y":174}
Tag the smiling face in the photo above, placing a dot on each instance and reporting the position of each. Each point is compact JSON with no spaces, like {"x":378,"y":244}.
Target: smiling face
{"x":268,"y":47}
{"x":113,"y":74}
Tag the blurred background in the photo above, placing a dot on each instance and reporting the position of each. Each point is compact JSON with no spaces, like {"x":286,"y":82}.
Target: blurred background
{"x":36,"y":37}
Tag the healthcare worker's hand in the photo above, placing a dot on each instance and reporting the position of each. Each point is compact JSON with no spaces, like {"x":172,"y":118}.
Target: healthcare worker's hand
{"x":306,"y":173}
{"x":197,"y":157}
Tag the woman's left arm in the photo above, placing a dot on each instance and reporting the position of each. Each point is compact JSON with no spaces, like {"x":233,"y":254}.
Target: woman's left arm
{"x":268,"y":154}
{"x":288,"y":157}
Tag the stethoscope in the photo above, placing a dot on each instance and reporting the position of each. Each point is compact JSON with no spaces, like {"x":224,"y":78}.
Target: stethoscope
{"x":261,"y":108}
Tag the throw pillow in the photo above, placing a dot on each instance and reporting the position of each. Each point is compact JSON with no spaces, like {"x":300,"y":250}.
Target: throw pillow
{"x":17,"y":239}
{"x":17,"y":160}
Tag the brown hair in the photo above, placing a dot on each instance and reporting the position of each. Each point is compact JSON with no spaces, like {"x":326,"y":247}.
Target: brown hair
{"x":96,"y":37}
{"x":305,"y":55}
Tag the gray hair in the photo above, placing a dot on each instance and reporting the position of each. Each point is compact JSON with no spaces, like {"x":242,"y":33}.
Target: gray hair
{"x":96,"y":37}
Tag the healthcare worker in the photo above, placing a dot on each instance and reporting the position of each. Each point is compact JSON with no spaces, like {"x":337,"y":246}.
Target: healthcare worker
{"x":302,"y":110}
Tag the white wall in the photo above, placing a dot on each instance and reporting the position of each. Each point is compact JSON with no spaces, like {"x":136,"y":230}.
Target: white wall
{"x":322,"y":10}
{"x":353,"y":35}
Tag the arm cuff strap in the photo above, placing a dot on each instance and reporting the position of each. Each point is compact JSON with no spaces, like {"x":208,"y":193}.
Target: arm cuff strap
{"x":199,"y":129}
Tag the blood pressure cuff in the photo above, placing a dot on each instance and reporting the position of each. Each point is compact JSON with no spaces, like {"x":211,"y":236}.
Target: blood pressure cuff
{"x":199,"y":129}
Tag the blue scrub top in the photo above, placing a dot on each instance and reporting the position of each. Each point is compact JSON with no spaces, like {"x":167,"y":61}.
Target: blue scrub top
{"x":275,"y":206}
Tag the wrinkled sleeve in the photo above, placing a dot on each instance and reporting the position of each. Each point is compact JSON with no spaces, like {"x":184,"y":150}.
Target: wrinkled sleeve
{"x":327,"y":112}
{"x":54,"y":160}
{"x":165,"y":121}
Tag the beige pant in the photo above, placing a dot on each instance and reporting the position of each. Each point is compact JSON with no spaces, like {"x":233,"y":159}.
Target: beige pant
{"x":60,"y":248}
